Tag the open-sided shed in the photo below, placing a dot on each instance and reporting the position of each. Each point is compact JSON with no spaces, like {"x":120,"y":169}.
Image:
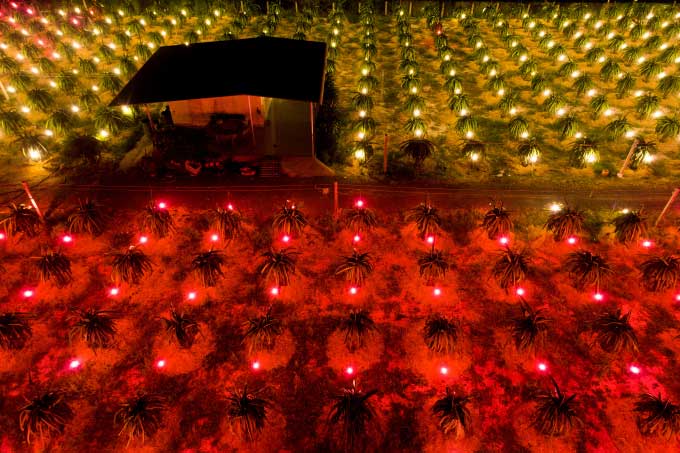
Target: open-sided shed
{"x":273,"y":84}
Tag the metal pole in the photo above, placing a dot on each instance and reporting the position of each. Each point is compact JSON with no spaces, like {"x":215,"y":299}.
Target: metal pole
{"x":674,"y":195}
{"x":627,"y":160}
{"x":30,"y":197}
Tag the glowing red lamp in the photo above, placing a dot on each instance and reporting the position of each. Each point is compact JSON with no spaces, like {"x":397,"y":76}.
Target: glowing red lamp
{"x":67,"y":239}
{"x":28,"y":293}
{"x":542,"y":367}
{"x":349,"y":371}
{"x":437,"y":292}
{"x":114,"y":291}
{"x":443,"y":371}
{"x":274,"y":291}
{"x":285,"y":238}
{"x":359,"y":203}
{"x":143,"y":239}
{"x":356,"y":238}
{"x":647,"y":243}
{"x":504,"y":240}
{"x":191,"y":295}
{"x":214,"y":238}
{"x":634,"y":369}
{"x":353,"y":290}
{"x":230,"y":207}
{"x":571,"y":240}
{"x":430,"y":239}
{"x":74,"y":364}
{"x":256,"y":365}
{"x":3,"y":236}
{"x":160,"y":364}
{"x":520,"y":291}
{"x":29,"y":11}
{"x":75,"y":21}
{"x":162,"y":205}
{"x":677,"y":297}
{"x":598,"y":297}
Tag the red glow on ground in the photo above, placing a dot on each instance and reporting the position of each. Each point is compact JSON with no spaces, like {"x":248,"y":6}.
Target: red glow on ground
{"x":143,"y":239}
{"x":28,"y":293}
{"x":437,"y":292}
{"x":677,"y":297}
{"x":443,"y":371}
{"x":359,"y":203}
{"x":519,"y":291}
{"x":160,"y":364}
{"x":162,"y":205}
{"x":349,"y":371}
{"x":114,"y":291}
{"x":356,"y":238}
{"x":430,"y":239}
{"x":571,"y":240}
{"x":598,"y":297}
{"x":647,"y":243}
{"x":256,"y":365}
{"x":274,"y":291}
{"x":634,"y":369}
{"x":214,"y":238}
{"x":285,"y":238}
{"x":74,"y":364}
{"x":2,"y":236}
{"x":191,"y":295}
{"x":353,"y":290}
{"x":230,"y":207}
{"x":504,"y":240}
{"x":542,"y":366}
{"x":67,"y":239}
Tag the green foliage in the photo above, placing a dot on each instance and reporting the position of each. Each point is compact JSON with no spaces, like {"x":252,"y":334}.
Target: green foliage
{"x":454,"y":416}
{"x":21,"y":219}
{"x":511,"y":267}
{"x":587,"y":268}
{"x":614,"y":333}
{"x":157,"y":221}
{"x":657,"y":416}
{"x":353,"y":412}
{"x":54,"y":266}
{"x":278,"y":266}
{"x":466,"y":124}
{"x":248,"y":412}
{"x":667,"y":127}
{"x":646,"y":105}
{"x":417,"y":149}
{"x":660,"y":273}
{"x":528,"y":152}
{"x":583,"y":84}
{"x":630,"y":227}
{"x":453,"y":85}
{"x":355,"y":268}
{"x":208,"y":267}
{"x":109,"y":119}
{"x":599,"y":105}
{"x":67,"y":83}
{"x":44,"y":415}
{"x":625,"y":85}
{"x":140,"y":416}
{"x":569,"y":126}
{"x":441,"y":334}
{"x":617,"y":128}
{"x":15,"y":330}
{"x":181,"y":328}
{"x":459,"y":102}
{"x":129,"y":266}
{"x":260,"y":333}
{"x":497,"y":222}
{"x":555,"y":413}
{"x":356,"y":327}
{"x":88,"y":100}
{"x":650,"y":68}
{"x":583,"y":152}
{"x":554,"y":102}
{"x":289,"y":220}
{"x":518,"y":127}
{"x":669,"y":86}
{"x":39,"y":99}
{"x":530,"y":329}
{"x":96,"y":327}
{"x":60,"y":121}
{"x":12,"y":122}
{"x":110,"y":83}
{"x":538,"y":84}
{"x":81,"y":149}
{"x":565,"y":223}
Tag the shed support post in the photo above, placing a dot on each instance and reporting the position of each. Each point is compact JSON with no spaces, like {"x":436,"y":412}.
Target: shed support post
{"x":311,"y":122}
{"x":252,"y":126}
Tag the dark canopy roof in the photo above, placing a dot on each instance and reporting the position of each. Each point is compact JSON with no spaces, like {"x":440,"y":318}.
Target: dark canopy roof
{"x":270,"y":67}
